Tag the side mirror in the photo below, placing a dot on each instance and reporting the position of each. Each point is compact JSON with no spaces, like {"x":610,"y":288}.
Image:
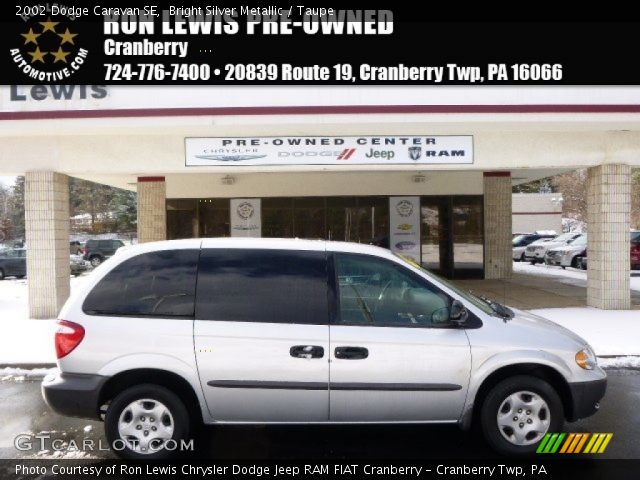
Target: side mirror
{"x":459,"y":314}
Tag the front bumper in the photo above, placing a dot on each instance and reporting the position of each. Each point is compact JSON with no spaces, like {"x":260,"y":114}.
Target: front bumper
{"x":585,"y":397}
{"x":73,"y":394}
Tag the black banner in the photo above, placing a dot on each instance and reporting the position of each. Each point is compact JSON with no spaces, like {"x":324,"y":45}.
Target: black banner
{"x":88,"y":43}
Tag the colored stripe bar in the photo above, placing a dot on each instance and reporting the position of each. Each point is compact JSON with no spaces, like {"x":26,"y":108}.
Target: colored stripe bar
{"x":544,"y":441}
{"x":582,"y":442}
{"x":593,"y":439}
{"x":555,"y":447}
{"x":575,"y":442}
{"x":567,"y":442}
{"x":550,"y":443}
{"x":605,"y":443}
{"x":596,"y":446}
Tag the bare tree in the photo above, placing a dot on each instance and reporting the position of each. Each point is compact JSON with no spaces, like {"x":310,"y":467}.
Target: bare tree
{"x":573,"y":186}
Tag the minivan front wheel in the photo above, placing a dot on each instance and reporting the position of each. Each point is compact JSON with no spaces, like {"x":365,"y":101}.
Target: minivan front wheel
{"x":146,"y":422}
{"x":518,"y":412}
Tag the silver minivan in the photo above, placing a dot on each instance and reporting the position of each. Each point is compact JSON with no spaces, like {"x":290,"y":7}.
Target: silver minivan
{"x":211,"y":331}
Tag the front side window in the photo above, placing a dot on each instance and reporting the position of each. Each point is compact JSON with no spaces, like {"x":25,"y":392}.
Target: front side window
{"x":377,"y":292}
{"x":159,"y":284}
{"x":263,"y":286}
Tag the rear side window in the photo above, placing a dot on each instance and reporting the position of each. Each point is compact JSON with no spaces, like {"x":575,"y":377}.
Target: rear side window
{"x":266,"y":286}
{"x":158,"y":284}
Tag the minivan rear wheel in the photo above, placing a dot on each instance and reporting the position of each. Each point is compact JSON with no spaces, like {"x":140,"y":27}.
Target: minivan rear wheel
{"x":518,"y":412}
{"x":146,"y":422}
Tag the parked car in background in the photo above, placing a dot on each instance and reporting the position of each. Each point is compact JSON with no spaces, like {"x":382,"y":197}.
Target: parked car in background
{"x":634,"y":252}
{"x":78,"y":265}
{"x":520,"y":242}
{"x":569,"y":255}
{"x":97,"y":251}
{"x":535,"y":252}
{"x":13,"y":263}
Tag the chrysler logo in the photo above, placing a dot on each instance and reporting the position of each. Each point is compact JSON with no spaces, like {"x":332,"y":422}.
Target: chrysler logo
{"x":245,"y":210}
{"x":230,"y":158}
{"x":404,"y":208}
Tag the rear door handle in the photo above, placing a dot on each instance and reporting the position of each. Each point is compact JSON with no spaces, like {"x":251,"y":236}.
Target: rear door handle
{"x":351,"y":353}
{"x":306,"y":351}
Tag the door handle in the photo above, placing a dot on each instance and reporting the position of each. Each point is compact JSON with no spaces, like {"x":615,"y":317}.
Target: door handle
{"x":306,"y":351}
{"x":351,"y":353}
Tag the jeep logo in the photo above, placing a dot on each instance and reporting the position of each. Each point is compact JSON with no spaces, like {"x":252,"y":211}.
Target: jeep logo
{"x":385,"y":154}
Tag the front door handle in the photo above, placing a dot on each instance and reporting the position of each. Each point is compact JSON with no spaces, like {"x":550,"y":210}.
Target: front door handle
{"x":306,"y":351}
{"x":351,"y":353}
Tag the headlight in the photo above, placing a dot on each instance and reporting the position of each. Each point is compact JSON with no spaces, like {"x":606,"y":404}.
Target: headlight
{"x":586,"y":358}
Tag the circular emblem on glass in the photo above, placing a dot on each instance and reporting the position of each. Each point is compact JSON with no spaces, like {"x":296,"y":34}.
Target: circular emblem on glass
{"x":245,"y":210}
{"x":404,"y":208}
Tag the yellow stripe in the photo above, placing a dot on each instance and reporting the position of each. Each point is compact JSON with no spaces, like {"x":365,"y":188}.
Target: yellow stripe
{"x":580,"y":445}
{"x":596,"y":445}
{"x":575,"y":442}
{"x":605,"y":443}
{"x":567,"y":442}
{"x":591,"y":442}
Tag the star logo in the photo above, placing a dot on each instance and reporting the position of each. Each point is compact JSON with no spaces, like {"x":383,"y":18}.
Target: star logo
{"x":37,"y":55}
{"x":31,"y":37}
{"x":67,"y":37}
{"x":49,"y":25}
{"x":60,"y":55}
{"x":49,"y":50}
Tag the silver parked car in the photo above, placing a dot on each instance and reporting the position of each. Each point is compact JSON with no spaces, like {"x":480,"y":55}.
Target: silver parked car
{"x":298,"y":331}
{"x":569,"y":255}
{"x":536,"y":251}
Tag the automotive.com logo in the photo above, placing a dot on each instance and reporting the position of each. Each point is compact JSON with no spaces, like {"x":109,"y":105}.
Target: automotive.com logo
{"x":47,"y":49}
{"x":574,"y":443}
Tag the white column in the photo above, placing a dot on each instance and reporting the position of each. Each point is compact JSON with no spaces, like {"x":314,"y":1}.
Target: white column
{"x":47,"y":237}
{"x":152,"y":209}
{"x":498,"y":262}
{"x":608,"y":222}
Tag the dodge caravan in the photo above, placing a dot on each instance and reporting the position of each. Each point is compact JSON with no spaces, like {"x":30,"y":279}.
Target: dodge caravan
{"x":172,"y":334}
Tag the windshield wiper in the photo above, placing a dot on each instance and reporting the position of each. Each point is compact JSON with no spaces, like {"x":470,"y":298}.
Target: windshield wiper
{"x":505,"y":312}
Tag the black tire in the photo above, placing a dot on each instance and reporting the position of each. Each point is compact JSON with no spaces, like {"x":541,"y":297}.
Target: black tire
{"x":1,"y":274}
{"x":20,"y":277}
{"x":181,"y":421}
{"x":574,"y":262}
{"x":522,"y":257}
{"x":498,"y":394}
{"x":96,"y":260}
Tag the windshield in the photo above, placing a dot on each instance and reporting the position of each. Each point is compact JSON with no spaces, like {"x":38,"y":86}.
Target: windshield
{"x":519,"y":239}
{"x":635,"y":237}
{"x":486,"y":308}
{"x":565,"y":237}
{"x":580,"y":241}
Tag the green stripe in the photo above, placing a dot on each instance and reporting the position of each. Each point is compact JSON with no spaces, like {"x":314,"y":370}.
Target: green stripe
{"x":550,"y":443}
{"x":544,"y":441}
{"x":558,"y":442}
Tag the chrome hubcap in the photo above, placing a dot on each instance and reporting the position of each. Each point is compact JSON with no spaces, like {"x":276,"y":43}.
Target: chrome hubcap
{"x":145,"y":426}
{"x":523,"y":418}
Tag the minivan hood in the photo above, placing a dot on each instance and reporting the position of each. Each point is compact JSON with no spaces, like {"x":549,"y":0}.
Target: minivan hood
{"x":541,"y":327}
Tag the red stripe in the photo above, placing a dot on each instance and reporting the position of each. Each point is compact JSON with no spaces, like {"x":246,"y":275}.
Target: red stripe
{"x":497,"y":174}
{"x":318,"y":110}
{"x":150,"y":179}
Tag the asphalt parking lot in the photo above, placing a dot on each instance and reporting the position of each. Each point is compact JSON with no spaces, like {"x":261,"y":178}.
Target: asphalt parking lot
{"x":23,"y":411}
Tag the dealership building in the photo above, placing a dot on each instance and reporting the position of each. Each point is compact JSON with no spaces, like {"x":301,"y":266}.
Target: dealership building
{"x":425,"y":171}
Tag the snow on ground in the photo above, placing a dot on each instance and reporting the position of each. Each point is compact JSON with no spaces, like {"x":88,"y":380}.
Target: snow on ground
{"x":610,"y":333}
{"x":620,"y":362}
{"x":542,"y":270}
{"x":21,"y":374}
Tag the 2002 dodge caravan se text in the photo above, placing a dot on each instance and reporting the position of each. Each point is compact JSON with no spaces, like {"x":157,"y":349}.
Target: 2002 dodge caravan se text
{"x":167,"y":335}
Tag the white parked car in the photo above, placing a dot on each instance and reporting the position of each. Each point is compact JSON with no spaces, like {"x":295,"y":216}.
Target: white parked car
{"x":569,"y":255}
{"x":520,"y":242}
{"x":536,"y":251}
{"x":237,"y":330}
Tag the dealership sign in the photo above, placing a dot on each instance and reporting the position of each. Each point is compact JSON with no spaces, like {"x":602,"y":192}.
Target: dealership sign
{"x":404,"y":226}
{"x":361,"y":150}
